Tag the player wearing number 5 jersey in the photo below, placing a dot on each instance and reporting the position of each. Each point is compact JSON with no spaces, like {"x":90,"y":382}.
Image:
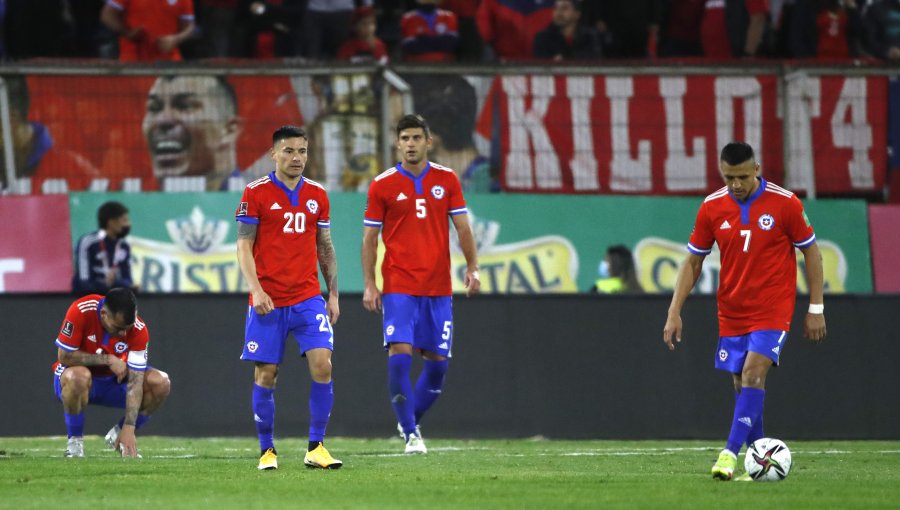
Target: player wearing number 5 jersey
{"x":283,"y":232}
{"x":410,"y":205}
{"x":757,"y":226}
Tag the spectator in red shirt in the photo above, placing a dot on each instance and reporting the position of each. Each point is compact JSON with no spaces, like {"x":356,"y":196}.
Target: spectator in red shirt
{"x":733,"y":28}
{"x":508,"y":27}
{"x":825,"y":29}
{"x":150,"y":30}
{"x":429,"y":34}
{"x":365,"y":46}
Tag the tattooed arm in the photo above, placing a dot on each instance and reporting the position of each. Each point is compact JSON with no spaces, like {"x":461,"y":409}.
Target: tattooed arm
{"x":86,"y":359}
{"x":328,"y":265}
{"x":134,"y":397}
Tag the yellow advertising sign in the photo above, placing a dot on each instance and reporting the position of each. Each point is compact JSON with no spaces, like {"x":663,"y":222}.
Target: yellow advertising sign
{"x":658,"y":260}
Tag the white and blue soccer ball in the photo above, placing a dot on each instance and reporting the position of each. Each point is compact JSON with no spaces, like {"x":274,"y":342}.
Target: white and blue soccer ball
{"x":768,"y":460}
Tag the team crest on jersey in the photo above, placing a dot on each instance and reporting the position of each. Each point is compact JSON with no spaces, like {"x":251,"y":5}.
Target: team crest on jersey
{"x":312,"y":206}
{"x":723,"y":355}
{"x":242,"y":209}
{"x":252,"y":346}
{"x":120,"y":347}
{"x":766,"y":222}
{"x":67,"y":329}
{"x":437,"y":192}
{"x":389,"y":330}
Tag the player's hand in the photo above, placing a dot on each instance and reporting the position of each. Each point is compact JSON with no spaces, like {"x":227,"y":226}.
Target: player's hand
{"x":127,"y":442}
{"x":473,"y":282}
{"x":333,"y":309}
{"x":118,"y":367}
{"x":814,"y":327}
{"x":262,"y":303}
{"x":372,"y":299}
{"x":672,"y":331}
{"x":166,"y":43}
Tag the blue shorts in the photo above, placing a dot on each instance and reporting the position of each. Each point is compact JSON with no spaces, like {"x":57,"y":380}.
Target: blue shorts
{"x":426,"y":322}
{"x":105,"y":391}
{"x":733,"y":349}
{"x":265,"y":334}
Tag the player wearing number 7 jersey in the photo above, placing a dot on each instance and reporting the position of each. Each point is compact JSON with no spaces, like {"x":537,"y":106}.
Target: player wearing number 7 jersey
{"x":757,"y":226}
{"x":410,"y":204}
{"x":283,"y":232}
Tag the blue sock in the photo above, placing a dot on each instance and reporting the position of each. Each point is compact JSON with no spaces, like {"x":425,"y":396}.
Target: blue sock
{"x":401,"y":391}
{"x":321,"y":399}
{"x":141,"y":420}
{"x":747,"y":411}
{"x":75,"y":424}
{"x":264,"y":416}
{"x":429,"y":385}
{"x":757,"y":431}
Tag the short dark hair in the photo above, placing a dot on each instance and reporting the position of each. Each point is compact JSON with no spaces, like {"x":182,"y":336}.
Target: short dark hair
{"x":288,"y":131}
{"x":736,"y":153}
{"x":121,"y":300}
{"x":412,"y":121}
{"x":620,"y":260}
{"x":110,"y":211}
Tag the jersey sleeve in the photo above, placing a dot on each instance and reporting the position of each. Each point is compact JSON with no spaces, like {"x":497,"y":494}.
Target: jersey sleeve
{"x":138,"y":340}
{"x":457,"y":200}
{"x":797,"y":225}
{"x":374,"y":214}
{"x":702,"y":238}
{"x":71,"y":332}
{"x":247,"y":210}
{"x":324,"y":220}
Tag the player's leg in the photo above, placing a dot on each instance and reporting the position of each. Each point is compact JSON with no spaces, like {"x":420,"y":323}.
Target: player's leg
{"x":310,"y":325}
{"x":764,"y":345}
{"x":730,"y":357}
{"x":73,"y":388}
{"x":400,"y":312}
{"x":434,"y":336}
{"x":264,"y":345}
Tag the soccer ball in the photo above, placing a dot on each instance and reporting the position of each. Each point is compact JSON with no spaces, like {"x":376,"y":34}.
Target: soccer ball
{"x":768,"y":460}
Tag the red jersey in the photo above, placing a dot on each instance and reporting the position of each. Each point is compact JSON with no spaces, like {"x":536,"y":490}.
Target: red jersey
{"x":358,"y":51}
{"x":714,"y":27}
{"x":832,"y":35}
{"x":157,"y":18}
{"x":429,"y":37}
{"x":413,"y":213}
{"x":511,"y":25}
{"x":82,"y":331}
{"x":756,"y":239}
{"x":285,"y":249}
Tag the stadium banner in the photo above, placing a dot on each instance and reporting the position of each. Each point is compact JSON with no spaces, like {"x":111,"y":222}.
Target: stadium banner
{"x":884,"y":230}
{"x":35,"y":244}
{"x":527,"y":244}
{"x":661,"y":135}
{"x":185,"y":132}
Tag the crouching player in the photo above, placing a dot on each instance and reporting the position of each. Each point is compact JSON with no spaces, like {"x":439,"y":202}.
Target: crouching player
{"x":103,"y":360}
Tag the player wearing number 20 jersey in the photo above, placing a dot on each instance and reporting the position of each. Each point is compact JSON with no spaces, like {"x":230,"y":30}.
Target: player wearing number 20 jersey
{"x":756,"y":240}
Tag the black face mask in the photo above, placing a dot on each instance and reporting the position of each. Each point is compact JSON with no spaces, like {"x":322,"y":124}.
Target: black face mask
{"x":124,"y":231}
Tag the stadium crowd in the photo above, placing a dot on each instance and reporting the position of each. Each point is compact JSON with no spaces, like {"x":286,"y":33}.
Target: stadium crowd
{"x":470,"y":31}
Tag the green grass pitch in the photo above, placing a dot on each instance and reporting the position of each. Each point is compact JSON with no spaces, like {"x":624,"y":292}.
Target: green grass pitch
{"x":456,"y":474}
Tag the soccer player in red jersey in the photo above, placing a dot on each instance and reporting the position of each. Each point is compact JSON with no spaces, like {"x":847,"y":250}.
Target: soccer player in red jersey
{"x":149,"y":30}
{"x":410,"y":204}
{"x":283,"y":232}
{"x":102,"y":359}
{"x":757,"y":226}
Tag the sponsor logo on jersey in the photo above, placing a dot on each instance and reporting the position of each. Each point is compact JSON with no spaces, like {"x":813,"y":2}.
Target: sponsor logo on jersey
{"x":746,"y":421}
{"x":725,"y":225}
{"x":777,"y":350}
{"x":275,"y":207}
{"x":312,"y":206}
{"x":68,"y":328}
{"x":389,"y":330}
{"x":766,"y":222}
{"x":400,"y":197}
{"x":723,"y":355}
{"x":242,"y":209}
{"x":92,"y":338}
{"x":120,"y":347}
{"x":252,"y":346}
{"x":443,"y":345}
{"x":437,"y":192}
